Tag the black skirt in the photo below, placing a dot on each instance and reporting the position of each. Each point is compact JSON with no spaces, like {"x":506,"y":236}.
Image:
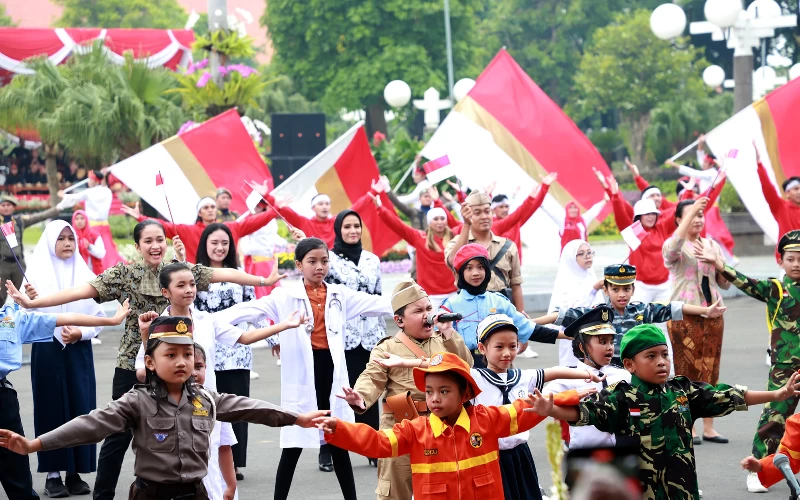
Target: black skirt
{"x":236,"y":382}
{"x":520,"y":480}
{"x":64,"y":387}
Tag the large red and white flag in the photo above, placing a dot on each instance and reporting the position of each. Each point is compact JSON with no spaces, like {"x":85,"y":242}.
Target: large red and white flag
{"x":9,"y":234}
{"x":344,"y":171}
{"x":217,"y":153}
{"x":772,"y":122}
{"x":509,"y":131}
{"x":633,"y":235}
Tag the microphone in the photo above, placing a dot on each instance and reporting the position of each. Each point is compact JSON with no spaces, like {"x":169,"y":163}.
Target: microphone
{"x":781,"y":462}
{"x":432,"y":318}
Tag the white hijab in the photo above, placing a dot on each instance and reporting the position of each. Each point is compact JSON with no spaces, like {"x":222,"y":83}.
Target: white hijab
{"x":49,"y":274}
{"x":573,"y":282}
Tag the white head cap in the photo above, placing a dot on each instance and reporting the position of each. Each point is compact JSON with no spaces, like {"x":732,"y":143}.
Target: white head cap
{"x":205,"y":201}
{"x":643,"y":207}
{"x":435,"y":212}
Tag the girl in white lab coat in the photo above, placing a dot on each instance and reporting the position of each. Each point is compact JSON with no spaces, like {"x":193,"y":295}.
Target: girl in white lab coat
{"x":314,"y":366}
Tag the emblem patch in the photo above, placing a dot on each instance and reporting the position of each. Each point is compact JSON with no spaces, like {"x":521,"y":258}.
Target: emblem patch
{"x":639,"y":317}
{"x":604,"y":316}
{"x":436,"y":360}
{"x":683,"y":404}
{"x":476,"y":440}
{"x":492,"y":310}
{"x":196,"y":403}
{"x":431,"y":452}
{"x":622,"y":269}
{"x":160,"y":436}
{"x":200,"y":413}
{"x":181,"y":327}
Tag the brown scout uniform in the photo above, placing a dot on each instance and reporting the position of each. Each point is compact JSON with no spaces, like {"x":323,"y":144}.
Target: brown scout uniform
{"x":394,"y":474}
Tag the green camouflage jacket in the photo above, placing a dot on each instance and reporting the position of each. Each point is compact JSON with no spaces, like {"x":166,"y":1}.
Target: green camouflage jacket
{"x":783,"y":312}
{"x":661,"y":417}
{"x":636,"y":313}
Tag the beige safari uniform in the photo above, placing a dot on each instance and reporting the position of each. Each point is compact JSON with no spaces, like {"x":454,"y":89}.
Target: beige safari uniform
{"x":170,"y":440}
{"x":394,"y":474}
{"x":508,"y":266}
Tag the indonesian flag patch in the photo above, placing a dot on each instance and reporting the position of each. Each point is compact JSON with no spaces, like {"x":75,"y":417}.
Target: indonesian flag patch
{"x":635,"y":412}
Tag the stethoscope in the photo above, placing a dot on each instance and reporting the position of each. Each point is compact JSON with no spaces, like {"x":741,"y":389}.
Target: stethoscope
{"x":334,"y":302}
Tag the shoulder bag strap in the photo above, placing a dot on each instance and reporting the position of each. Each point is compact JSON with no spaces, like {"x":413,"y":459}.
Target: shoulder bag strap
{"x":414,"y":348}
{"x":496,"y":259}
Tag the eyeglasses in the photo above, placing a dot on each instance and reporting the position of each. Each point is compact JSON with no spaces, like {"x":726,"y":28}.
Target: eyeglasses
{"x":581,"y":255}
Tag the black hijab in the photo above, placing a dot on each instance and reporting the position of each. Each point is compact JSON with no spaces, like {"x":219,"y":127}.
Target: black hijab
{"x":474,"y":290}
{"x":349,"y":251}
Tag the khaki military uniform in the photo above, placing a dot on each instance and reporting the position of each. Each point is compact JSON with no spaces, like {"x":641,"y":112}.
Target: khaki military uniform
{"x":170,"y":439}
{"x":377,"y":382}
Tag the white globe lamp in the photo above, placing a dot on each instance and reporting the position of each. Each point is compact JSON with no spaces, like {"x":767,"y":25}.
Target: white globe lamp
{"x":722,"y":13}
{"x":668,"y":21}
{"x":714,"y":76}
{"x":764,"y":9}
{"x":462,"y":88}
{"x":397,"y":93}
{"x":794,"y":71}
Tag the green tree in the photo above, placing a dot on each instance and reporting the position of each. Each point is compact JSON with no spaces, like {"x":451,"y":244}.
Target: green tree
{"x":5,"y":19}
{"x":165,"y":14}
{"x":547,"y":39}
{"x":343,"y":53}
{"x":628,"y":69}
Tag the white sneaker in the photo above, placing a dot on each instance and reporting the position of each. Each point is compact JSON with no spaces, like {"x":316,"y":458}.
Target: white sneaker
{"x":754,"y":485}
{"x":700,"y":492}
{"x":528,"y":353}
{"x":278,"y":362}
{"x":769,"y":360}
{"x":253,"y":375}
{"x":96,"y":341}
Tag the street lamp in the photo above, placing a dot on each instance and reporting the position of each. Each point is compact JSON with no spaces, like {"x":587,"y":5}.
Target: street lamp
{"x":668,"y":21}
{"x":714,"y":76}
{"x":397,"y":93}
{"x":462,"y":88}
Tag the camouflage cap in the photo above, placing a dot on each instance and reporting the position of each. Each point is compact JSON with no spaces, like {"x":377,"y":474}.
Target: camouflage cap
{"x":639,"y":338}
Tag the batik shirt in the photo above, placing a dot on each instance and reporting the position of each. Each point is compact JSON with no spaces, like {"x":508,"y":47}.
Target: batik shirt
{"x":783,"y":312}
{"x":636,"y":313}
{"x":138,"y":283}
{"x":661,"y":418}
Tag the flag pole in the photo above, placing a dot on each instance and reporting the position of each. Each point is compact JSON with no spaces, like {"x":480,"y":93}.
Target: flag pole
{"x":15,"y":258}
{"x":77,"y":184}
{"x":164,"y":189}
{"x":288,"y":224}
{"x":405,"y":176}
{"x":685,"y":150}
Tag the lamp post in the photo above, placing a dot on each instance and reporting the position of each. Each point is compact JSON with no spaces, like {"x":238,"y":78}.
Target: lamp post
{"x":727,"y":20}
{"x":397,"y":94}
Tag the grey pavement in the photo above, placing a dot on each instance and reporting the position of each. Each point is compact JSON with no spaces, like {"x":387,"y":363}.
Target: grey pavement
{"x":720,"y":476}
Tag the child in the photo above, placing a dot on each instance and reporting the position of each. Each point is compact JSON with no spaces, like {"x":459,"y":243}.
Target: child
{"x":593,"y":344}
{"x":26,"y":327}
{"x":417,"y":339}
{"x":783,"y":318}
{"x":764,"y":469}
{"x":619,"y":288}
{"x":474,"y":303}
{"x":499,"y":383}
{"x":221,"y":472}
{"x":161,"y":472}
{"x":456,"y":436}
{"x":659,"y":412}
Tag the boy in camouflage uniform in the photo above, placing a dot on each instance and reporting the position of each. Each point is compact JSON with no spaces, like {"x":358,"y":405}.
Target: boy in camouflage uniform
{"x":783,"y":318}
{"x":659,"y":412}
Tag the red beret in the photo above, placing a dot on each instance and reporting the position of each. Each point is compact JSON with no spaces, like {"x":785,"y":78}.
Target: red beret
{"x":469,"y":252}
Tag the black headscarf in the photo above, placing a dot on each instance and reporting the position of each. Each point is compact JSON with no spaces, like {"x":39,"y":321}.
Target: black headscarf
{"x":464,"y":284}
{"x":349,"y":251}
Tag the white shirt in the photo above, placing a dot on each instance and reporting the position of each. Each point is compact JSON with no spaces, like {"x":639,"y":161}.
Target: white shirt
{"x":492,"y":396}
{"x":207,"y":330}
{"x":98,"y":202}
{"x":589,"y":436}
{"x":264,"y":242}
{"x":222,"y":435}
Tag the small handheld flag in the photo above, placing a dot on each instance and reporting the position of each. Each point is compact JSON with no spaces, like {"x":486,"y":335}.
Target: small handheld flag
{"x":11,"y":238}
{"x":732,"y":154}
{"x":254,"y":198}
{"x":439,"y":169}
{"x":633,"y":236}
{"x":159,"y":179}
{"x":160,"y":182}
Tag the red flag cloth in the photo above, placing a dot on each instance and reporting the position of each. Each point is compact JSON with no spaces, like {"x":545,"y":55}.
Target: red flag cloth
{"x":8,"y":232}
{"x":436,"y":164}
{"x":159,"y":179}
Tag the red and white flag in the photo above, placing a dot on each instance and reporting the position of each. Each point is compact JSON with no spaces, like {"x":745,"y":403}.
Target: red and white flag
{"x":159,"y":179}
{"x":633,"y":235}
{"x":10,"y":235}
{"x":252,"y":200}
{"x":439,"y":169}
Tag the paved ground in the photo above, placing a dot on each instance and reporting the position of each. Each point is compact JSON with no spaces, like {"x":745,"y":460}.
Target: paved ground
{"x":720,"y":476}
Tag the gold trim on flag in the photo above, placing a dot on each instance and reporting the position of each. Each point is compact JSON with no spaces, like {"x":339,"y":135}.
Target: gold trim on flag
{"x":770,"y":133}
{"x":190,"y":166}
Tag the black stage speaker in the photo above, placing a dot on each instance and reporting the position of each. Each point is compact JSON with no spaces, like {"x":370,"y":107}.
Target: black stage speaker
{"x":296,"y":139}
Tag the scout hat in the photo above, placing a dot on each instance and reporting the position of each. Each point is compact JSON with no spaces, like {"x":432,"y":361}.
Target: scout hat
{"x":595,"y":322}
{"x":790,"y":242}
{"x":477,"y":198}
{"x":10,"y":199}
{"x":406,"y":292}
{"x":620,"y":274}
{"x":446,"y":362}
{"x":639,"y":338}
{"x":172,"y":330}
{"x":493,"y":323}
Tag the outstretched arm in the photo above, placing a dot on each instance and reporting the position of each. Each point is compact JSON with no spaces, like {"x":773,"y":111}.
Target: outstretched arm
{"x":525,"y":211}
{"x":85,"y":291}
{"x":226,"y":274}
{"x":78,"y":319}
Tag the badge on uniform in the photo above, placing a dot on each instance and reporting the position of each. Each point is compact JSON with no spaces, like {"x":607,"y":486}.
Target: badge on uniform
{"x":683,"y":404}
{"x":160,"y":436}
{"x":492,"y":310}
{"x":635,"y":412}
{"x":435,"y":360}
{"x":476,"y":440}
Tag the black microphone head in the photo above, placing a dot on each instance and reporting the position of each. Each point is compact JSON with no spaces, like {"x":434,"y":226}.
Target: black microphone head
{"x":780,"y":459}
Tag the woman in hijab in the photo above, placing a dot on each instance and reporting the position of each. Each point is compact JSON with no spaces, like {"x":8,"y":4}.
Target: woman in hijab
{"x":357,"y":269}
{"x":62,"y":371}
{"x":576,"y":285}
{"x":90,"y":243}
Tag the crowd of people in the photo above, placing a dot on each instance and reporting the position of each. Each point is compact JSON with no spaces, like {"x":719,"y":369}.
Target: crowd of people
{"x":454,"y":412}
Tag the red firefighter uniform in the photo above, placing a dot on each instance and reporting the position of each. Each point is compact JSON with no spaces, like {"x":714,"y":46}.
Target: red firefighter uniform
{"x":790,"y":446}
{"x":452,"y":463}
